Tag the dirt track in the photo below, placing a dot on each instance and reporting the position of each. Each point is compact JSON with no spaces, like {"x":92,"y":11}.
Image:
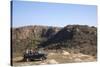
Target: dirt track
{"x":57,"y":58}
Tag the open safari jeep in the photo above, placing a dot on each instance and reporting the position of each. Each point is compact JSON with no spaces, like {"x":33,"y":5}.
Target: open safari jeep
{"x":34,"y":56}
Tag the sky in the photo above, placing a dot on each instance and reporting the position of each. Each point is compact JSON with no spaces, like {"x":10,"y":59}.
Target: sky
{"x":52,"y":14}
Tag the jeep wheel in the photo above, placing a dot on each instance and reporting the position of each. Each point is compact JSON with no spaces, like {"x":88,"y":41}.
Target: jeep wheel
{"x":43,"y":58}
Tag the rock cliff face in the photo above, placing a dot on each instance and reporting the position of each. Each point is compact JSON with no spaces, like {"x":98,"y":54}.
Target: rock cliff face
{"x":78,"y":38}
{"x":35,"y":31}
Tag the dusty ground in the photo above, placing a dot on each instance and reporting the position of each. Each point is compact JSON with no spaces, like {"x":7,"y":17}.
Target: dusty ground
{"x":57,"y":58}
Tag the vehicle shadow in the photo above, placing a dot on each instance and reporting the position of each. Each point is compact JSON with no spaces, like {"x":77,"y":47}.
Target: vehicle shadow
{"x":18,"y":61}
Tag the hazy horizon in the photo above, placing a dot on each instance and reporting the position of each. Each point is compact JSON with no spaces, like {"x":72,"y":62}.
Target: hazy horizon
{"x":52,"y":14}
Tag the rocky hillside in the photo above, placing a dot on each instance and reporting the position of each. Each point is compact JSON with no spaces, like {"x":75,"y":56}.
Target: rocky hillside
{"x":77,"y":38}
{"x":31,"y":36}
